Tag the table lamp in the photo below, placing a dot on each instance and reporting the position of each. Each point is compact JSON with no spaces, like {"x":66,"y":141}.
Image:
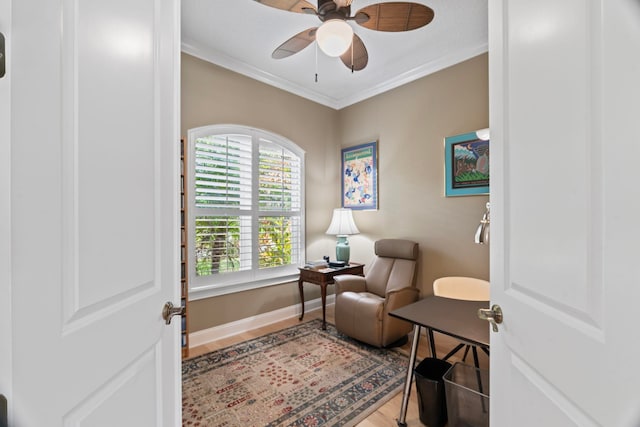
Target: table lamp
{"x":341,"y":226}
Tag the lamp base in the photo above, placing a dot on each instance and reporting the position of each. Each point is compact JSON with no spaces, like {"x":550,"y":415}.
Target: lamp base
{"x":342,"y":249}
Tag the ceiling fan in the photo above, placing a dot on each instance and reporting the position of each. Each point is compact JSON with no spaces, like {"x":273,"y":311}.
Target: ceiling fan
{"x":335,"y":36}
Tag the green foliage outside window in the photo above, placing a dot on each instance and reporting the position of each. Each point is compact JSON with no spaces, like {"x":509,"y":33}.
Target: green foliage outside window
{"x":218,"y":243}
{"x":275,"y":241}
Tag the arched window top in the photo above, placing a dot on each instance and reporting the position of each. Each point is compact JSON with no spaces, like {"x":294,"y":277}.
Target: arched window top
{"x":247,"y":130}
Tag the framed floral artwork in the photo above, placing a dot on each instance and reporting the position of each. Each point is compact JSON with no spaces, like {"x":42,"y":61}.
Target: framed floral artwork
{"x":360,"y":177}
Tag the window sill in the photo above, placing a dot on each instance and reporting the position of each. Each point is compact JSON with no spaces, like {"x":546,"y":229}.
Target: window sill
{"x":215,"y":291}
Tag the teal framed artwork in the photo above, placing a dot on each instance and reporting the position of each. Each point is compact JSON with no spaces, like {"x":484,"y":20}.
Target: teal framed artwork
{"x":360,"y":177}
{"x":466,"y":164}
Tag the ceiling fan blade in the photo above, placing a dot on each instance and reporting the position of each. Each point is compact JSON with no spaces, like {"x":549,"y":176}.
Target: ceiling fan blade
{"x":298,"y":6}
{"x":357,"y":58}
{"x":402,"y":16}
{"x":295,"y":44}
{"x":360,"y":17}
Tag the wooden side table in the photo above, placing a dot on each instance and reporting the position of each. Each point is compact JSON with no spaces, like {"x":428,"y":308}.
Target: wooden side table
{"x":324,"y":277}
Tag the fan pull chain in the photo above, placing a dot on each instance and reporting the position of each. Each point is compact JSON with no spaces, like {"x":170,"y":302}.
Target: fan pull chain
{"x":316,"y":62}
{"x":352,"y":54}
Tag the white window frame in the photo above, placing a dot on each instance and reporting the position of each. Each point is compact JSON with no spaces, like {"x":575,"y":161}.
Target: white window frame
{"x":209,"y":286}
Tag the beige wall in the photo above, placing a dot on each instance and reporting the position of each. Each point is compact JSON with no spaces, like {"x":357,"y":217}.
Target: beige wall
{"x":214,"y":95}
{"x":409,"y":124}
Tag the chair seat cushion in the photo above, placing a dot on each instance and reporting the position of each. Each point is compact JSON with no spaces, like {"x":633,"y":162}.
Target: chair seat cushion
{"x":359,"y":315}
{"x":364,"y":304}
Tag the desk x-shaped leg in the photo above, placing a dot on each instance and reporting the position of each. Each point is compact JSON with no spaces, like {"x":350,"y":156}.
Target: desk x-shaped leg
{"x":402,"y":419}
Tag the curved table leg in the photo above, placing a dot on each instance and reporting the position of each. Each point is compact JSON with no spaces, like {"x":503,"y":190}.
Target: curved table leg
{"x":301,"y":298}
{"x":323,"y":293}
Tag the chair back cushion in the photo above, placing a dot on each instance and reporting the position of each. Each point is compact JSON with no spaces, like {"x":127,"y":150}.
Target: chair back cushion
{"x":393,"y":267}
{"x":397,"y":248}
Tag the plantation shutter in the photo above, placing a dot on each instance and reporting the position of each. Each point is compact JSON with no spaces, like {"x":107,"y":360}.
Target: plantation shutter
{"x":223,"y":171}
{"x":223,"y":184}
{"x":279,"y":187}
{"x":246,"y":210}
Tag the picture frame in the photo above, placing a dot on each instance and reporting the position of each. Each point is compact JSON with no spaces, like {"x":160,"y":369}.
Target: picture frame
{"x":466,"y":164}
{"x":359,"y":177}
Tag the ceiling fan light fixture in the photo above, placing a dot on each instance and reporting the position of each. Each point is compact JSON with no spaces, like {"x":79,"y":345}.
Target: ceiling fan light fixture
{"x":334,"y":37}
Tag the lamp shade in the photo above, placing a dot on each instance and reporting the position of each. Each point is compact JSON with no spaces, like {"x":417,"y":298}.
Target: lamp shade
{"x":342,"y":223}
{"x":334,"y":37}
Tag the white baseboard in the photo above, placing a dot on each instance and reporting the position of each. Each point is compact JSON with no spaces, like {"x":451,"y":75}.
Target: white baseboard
{"x":239,"y":326}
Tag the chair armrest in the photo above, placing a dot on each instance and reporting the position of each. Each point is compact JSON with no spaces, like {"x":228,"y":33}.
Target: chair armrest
{"x":397,"y":298}
{"x":349,"y":283}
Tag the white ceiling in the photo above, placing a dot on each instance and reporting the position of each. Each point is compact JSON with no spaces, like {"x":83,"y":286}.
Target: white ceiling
{"x":241,"y":34}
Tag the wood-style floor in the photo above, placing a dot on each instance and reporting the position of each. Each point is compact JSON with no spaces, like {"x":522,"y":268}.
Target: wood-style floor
{"x":386,"y":415}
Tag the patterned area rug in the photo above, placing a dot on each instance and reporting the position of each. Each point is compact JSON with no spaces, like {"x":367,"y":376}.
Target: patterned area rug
{"x":300,"y":376}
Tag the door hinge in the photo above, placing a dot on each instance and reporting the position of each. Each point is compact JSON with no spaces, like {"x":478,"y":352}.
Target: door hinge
{"x":2,"y":63}
{"x":4,"y":418}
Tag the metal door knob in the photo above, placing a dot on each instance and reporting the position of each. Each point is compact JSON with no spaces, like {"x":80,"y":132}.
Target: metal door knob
{"x":168,"y":311}
{"x":493,"y":316}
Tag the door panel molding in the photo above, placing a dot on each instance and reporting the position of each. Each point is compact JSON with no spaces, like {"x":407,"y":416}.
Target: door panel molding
{"x":539,"y":393}
{"x":554,"y":41}
{"x":102,"y":209}
{"x":103,"y":407}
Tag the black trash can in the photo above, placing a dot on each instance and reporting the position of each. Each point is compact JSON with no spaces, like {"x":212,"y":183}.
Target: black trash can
{"x":431,"y":394}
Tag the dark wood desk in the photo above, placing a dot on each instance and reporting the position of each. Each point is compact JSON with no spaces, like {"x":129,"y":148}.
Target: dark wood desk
{"x":452,"y":317}
{"x":324,"y":277}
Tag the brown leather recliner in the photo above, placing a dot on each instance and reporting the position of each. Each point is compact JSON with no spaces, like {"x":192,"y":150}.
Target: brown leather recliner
{"x":363,"y":303}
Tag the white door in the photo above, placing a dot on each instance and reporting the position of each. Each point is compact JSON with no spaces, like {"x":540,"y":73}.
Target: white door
{"x":565,"y":147}
{"x":93,"y":208}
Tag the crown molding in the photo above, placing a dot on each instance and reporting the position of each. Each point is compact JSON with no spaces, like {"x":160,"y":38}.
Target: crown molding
{"x":240,"y":67}
{"x":415,"y":74}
